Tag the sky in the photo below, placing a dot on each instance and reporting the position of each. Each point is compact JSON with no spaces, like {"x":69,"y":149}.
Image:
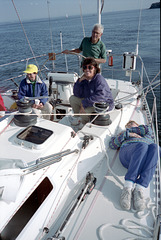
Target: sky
{"x":36,"y":9}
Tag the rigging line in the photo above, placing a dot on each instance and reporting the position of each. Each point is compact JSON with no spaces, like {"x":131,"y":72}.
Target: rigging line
{"x":132,"y":94}
{"x":152,"y":82}
{"x":78,"y":54}
{"x":24,"y":31}
{"x":22,"y":60}
{"x":5,"y":80}
{"x":153,"y":88}
{"x":82,"y":18}
{"x":147,"y":74}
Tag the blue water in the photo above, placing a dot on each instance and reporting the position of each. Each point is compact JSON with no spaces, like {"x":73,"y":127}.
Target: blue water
{"x":120,"y":35}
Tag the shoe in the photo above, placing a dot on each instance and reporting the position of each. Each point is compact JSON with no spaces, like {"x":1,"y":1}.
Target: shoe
{"x":125,"y":198}
{"x":139,"y":201}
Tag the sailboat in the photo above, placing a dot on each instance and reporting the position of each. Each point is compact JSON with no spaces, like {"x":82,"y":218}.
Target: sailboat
{"x":59,"y":182}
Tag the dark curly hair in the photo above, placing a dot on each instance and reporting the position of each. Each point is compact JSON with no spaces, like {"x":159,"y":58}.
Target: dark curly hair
{"x":91,"y":61}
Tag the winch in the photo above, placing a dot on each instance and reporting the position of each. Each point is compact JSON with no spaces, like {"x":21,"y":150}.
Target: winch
{"x":25,"y":115}
{"x":103,"y":119}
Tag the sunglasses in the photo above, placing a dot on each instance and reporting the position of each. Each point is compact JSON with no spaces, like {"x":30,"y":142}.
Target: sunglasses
{"x":88,"y":67}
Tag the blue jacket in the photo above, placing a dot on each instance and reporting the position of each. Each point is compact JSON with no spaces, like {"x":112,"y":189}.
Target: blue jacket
{"x":26,"y":89}
{"x":96,"y":90}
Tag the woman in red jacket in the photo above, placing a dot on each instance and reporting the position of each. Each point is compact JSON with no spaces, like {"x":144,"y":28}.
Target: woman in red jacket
{"x":2,"y":107}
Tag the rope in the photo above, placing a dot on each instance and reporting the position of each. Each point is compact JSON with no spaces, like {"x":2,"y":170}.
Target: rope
{"x":26,"y":59}
{"x":132,"y":94}
{"x":73,"y":53}
{"x":24,"y":32}
{"x":6,"y":126}
{"x":82,"y":19}
{"x":150,"y":84}
{"x":25,"y":35}
{"x":130,"y":229}
{"x":146,"y":230}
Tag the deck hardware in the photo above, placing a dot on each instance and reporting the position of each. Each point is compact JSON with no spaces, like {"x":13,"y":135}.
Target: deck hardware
{"x":118,"y":106}
{"x":73,"y":134}
{"x":88,"y":187}
{"x":24,"y":117}
{"x":144,"y":107}
{"x":102,"y":118}
{"x":90,"y":181}
{"x":136,"y":83}
{"x":139,"y":96}
{"x":86,"y":139}
{"x":47,"y":161}
{"x":46,"y":230}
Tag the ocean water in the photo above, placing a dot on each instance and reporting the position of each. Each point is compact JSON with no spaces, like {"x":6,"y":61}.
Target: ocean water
{"x":120,"y":35}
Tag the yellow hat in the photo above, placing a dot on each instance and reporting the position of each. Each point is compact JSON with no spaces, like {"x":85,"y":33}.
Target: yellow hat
{"x":31,"y":68}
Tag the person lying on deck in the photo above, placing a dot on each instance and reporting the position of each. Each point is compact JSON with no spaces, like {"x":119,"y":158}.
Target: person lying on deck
{"x":139,"y":154}
{"x":90,"y":88}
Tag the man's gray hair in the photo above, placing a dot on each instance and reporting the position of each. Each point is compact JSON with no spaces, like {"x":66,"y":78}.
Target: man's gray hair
{"x":98,"y":26}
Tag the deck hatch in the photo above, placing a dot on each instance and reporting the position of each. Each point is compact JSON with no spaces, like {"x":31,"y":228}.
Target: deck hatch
{"x":34,"y":134}
{"x":26,"y":211}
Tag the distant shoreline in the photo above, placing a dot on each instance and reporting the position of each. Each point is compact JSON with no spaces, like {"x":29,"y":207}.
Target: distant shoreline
{"x":62,"y":17}
{"x":155,"y":5}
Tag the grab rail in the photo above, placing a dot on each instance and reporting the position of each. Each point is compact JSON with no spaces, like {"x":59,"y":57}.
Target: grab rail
{"x":47,"y":161}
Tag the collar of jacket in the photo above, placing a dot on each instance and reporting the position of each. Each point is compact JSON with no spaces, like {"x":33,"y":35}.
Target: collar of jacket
{"x":38,"y":80}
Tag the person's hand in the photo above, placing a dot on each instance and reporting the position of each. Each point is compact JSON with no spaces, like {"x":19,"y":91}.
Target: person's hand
{"x":66,"y":51}
{"x":39,"y":106}
{"x":82,"y":109}
{"x":120,"y":133}
{"x":134,"y":135}
{"x":2,"y":114}
{"x":82,"y":78}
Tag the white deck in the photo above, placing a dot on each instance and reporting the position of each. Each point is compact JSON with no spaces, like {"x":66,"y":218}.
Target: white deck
{"x":99,"y":215}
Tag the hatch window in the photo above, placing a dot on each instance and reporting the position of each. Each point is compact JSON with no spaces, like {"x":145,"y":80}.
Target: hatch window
{"x":26,"y":211}
{"x":35,"y":134}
